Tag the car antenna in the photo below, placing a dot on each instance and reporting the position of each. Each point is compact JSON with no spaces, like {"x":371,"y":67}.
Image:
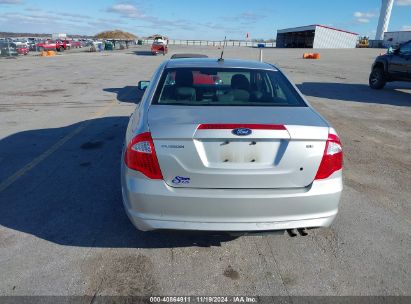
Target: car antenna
{"x":222,"y":52}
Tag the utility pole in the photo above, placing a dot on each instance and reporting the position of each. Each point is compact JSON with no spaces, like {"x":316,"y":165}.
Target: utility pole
{"x":8,"y":46}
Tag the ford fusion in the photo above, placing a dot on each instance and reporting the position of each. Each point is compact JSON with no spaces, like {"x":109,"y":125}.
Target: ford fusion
{"x":228,"y":145}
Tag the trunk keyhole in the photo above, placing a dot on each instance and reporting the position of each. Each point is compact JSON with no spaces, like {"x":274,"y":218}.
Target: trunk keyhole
{"x":253,"y":143}
{"x":301,"y":169}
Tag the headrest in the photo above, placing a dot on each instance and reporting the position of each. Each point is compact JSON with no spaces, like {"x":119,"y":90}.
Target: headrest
{"x":239,"y":81}
{"x":184,"y":78}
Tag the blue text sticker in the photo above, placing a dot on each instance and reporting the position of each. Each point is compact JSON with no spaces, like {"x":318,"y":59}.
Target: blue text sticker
{"x":181,"y":180}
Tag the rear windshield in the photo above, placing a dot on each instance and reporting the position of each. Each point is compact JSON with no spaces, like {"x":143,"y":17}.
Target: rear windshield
{"x":225,"y":87}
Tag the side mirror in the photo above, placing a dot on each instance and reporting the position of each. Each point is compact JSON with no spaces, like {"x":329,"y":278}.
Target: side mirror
{"x":396,"y":51}
{"x":142,"y":85}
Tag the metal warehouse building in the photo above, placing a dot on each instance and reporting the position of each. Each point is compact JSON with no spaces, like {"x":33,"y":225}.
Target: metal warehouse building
{"x":316,"y":36}
{"x":396,"y":38}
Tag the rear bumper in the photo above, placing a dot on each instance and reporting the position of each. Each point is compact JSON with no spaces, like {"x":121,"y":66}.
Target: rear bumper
{"x":152,"y":204}
{"x":159,"y":50}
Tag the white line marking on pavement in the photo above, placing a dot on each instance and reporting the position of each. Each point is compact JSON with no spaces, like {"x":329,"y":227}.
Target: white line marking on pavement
{"x":14,"y":177}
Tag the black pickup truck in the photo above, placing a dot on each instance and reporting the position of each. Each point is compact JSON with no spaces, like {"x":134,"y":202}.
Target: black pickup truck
{"x":393,"y":66}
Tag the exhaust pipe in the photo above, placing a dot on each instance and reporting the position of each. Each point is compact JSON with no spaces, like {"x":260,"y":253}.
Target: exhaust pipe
{"x":301,"y":231}
{"x":291,"y":232}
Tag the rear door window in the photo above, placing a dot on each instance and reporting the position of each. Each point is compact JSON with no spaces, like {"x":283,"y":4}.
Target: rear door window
{"x":405,"y":49}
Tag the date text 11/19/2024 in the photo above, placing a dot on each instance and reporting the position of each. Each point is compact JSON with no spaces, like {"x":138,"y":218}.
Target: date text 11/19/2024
{"x":204,"y":299}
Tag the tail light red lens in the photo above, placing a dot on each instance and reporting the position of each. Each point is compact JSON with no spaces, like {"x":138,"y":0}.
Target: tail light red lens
{"x":332,"y":159}
{"x":141,"y":156}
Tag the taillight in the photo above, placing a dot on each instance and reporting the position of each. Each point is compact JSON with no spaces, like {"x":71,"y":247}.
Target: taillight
{"x":141,"y":156}
{"x":332,"y":159}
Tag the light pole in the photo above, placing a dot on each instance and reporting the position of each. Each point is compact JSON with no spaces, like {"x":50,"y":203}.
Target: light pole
{"x":8,"y":46}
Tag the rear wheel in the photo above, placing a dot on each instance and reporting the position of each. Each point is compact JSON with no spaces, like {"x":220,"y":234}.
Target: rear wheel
{"x":377,"y":80}
{"x":41,"y":49}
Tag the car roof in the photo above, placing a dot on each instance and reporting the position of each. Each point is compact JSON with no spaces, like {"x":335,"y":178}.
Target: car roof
{"x":215,"y":63}
{"x":184,"y":55}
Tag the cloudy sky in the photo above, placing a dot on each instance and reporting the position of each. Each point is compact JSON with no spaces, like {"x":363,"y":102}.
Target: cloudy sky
{"x":196,"y":19}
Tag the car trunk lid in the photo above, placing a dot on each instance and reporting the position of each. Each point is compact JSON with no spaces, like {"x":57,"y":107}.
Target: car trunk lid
{"x":202,"y":146}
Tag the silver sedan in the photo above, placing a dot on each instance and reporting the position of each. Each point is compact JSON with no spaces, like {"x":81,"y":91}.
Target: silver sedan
{"x":228,"y":145}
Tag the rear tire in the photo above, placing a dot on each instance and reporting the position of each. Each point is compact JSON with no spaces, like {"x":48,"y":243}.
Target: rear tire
{"x":377,"y":79}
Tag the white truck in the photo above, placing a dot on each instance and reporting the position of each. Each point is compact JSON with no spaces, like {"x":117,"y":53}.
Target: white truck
{"x":58,"y":36}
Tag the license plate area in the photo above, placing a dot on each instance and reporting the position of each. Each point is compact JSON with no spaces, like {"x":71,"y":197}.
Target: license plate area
{"x":240,"y":153}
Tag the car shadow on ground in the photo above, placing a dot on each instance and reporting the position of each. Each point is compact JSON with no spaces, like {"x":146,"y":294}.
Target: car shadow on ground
{"x":143,"y":53}
{"x":359,"y":92}
{"x":73,"y":196}
{"x":129,"y":94}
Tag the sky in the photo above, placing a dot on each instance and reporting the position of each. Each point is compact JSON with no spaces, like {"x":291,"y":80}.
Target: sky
{"x":196,"y":19}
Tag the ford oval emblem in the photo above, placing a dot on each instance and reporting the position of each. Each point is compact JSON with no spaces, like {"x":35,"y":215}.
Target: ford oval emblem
{"x":242,"y":131}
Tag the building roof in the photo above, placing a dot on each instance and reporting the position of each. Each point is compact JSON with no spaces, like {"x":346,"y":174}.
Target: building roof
{"x":398,"y":32}
{"x":214,"y":63}
{"x":311,"y":28}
